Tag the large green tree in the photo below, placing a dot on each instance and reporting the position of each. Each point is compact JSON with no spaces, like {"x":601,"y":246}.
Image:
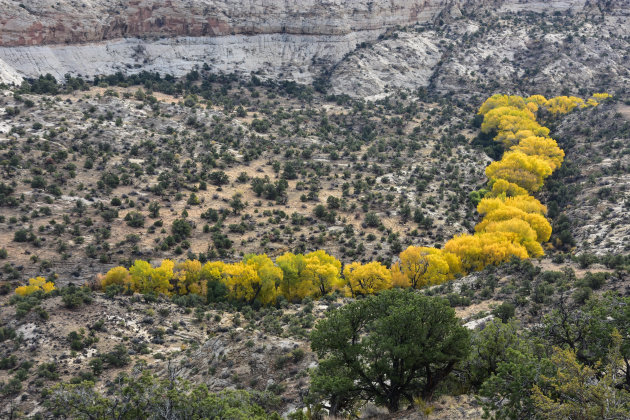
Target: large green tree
{"x":384,"y":348}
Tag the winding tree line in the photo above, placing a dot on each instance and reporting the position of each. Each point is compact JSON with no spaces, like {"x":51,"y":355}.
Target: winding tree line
{"x":513,"y":225}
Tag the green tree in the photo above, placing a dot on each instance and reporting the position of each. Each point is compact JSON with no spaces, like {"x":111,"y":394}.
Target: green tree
{"x":489,"y":348}
{"x":145,"y":396}
{"x":508,"y":392}
{"x":396,"y":345}
{"x":579,"y":391}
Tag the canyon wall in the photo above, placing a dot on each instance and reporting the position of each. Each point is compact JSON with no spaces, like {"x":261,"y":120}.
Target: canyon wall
{"x":40,"y":22}
{"x":292,"y":39}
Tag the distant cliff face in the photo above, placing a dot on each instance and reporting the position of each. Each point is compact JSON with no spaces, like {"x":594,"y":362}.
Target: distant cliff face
{"x":40,"y":22}
{"x":462,"y":44}
{"x":45,"y":22}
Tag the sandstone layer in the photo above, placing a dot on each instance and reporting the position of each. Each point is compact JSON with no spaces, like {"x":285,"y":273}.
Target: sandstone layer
{"x":346,"y":40}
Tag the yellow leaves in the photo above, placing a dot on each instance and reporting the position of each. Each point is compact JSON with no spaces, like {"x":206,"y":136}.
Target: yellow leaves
{"x":498,"y":100}
{"x":542,"y":147}
{"x":117,"y":275}
{"x":539,"y":100}
{"x":602,"y":96}
{"x":26,"y":290}
{"x":508,"y":116}
{"x":188,"y":278}
{"x":514,"y":222}
{"x":528,"y":172}
{"x":252,"y":280}
{"x":295,"y":285}
{"x":34,"y":285}
{"x":366,"y":279}
{"x":48,"y":287}
{"x":269,"y":276}
{"x":244,"y":283}
{"x":479,"y":250}
{"x":422,"y":266}
{"x":525,"y":208}
{"x":563,"y":104}
{"x":238,"y":278}
{"x":501,"y":187}
{"x":597,"y":98}
{"x":323,"y":271}
{"x":511,"y":130}
{"x":146,"y":279}
{"x":513,"y":225}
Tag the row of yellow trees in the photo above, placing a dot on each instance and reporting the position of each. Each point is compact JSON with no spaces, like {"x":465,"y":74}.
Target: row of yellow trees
{"x":257,"y":278}
{"x":513,"y":224}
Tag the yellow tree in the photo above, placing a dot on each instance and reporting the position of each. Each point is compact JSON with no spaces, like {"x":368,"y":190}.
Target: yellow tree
{"x":295,"y":285}
{"x":512,"y":129}
{"x":482,"y":249}
{"x":367,"y":279}
{"x":498,"y":100}
{"x":146,"y":279}
{"x":212,"y":275}
{"x":501,"y":187}
{"x":117,"y":275}
{"x":323,"y":271}
{"x":269,"y":277}
{"x":240,"y":279}
{"x":528,"y":172}
{"x":492,"y":120}
{"x":563,"y":104}
{"x":523,"y":234}
{"x":602,"y":96}
{"x":536,"y":221}
{"x":34,"y":285}
{"x":420,"y":266}
{"x":188,"y":278}
{"x":542,"y":147}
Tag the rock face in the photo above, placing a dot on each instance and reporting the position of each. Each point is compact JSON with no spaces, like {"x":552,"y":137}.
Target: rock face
{"x":348,"y":40}
{"x":41,"y":22}
{"x":295,"y":57}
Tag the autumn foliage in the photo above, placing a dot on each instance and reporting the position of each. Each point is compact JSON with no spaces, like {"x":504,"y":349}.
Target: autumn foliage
{"x":513,"y":224}
{"x":34,"y":285}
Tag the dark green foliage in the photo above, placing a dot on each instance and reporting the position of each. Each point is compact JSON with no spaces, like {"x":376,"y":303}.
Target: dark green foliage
{"x":7,"y":333}
{"x":5,"y":195}
{"x":385,"y":348}
{"x":78,"y":340}
{"x":489,"y":349}
{"x":48,"y":371}
{"x":118,"y":357}
{"x":73,"y":296}
{"x":134,"y":219}
{"x":146,"y":397}
{"x":181,"y":229}
{"x":217,"y":291}
{"x":504,"y":312}
{"x":218,"y":178}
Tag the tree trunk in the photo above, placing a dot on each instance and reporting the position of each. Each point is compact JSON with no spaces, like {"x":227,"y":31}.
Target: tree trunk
{"x":393,"y":402}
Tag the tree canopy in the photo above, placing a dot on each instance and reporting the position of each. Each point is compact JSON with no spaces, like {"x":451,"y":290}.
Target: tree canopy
{"x":385,"y":348}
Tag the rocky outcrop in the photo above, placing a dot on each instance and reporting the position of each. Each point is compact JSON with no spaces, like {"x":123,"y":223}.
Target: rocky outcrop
{"x":473,"y":55}
{"x":406,"y":61}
